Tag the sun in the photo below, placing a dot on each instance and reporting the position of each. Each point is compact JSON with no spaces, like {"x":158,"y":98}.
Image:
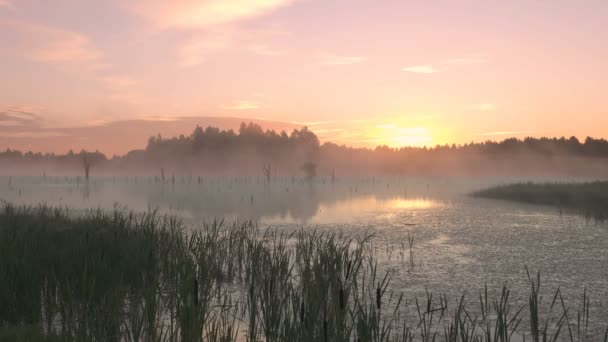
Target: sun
{"x":395,"y":135}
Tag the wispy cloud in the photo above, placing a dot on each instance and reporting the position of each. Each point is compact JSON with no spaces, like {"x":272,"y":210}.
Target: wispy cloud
{"x":331,"y":59}
{"x":6,"y":4}
{"x":64,"y":46}
{"x":422,"y":69}
{"x":196,"y":50}
{"x":33,"y":134}
{"x":19,"y":113}
{"x":18,"y":118}
{"x":211,"y":23}
{"x":97,"y":122}
{"x":187,"y":14}
{"x":202,"y":45}
{"x":444,"y":65}
{"x":54,"y":46}
{"x":161,"y":118}
{"x":240,"y":105}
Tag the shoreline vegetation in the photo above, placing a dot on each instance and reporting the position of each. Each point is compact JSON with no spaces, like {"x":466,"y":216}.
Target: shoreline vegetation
{"x":586,"y":198}
{"x":251,"y":150}
{"x":122,"y":276}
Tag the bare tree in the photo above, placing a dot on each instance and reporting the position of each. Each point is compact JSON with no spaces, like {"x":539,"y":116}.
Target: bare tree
{"x":310,"y":170}
{"x":162,"y":174}
{"x":86,"y":163}
{"x":266,"y":169}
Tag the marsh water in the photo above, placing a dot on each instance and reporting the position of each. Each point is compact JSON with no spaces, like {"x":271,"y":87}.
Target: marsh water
{"x":428,"y":233}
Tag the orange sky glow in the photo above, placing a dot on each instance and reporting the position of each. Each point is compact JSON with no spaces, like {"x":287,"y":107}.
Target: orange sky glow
{"x":356,"y":72}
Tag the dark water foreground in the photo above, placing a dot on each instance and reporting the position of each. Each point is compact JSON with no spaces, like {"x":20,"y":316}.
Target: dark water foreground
{"x":114,"y":276}
{"x":589,"y":198}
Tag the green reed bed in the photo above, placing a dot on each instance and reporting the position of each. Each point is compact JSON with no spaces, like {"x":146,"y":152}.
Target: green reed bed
{"x":120,"y":276}
{"x":589,"y":199}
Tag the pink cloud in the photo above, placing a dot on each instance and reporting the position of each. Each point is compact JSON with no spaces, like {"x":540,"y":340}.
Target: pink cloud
{"x":422,"y":69}
{"x":5,"y":4}
{"x":188,"y":14}
{"x":331,"y":59}
{"x":53,"y":45}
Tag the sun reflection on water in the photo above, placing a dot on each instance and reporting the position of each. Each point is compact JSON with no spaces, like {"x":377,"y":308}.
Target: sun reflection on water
{"x":358,"y":208}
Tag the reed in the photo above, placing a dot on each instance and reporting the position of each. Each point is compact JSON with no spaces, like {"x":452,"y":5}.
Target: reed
{"x":121,"y":276}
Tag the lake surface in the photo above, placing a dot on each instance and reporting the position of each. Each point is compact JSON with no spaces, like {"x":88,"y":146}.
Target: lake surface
{"x":460,"y":243}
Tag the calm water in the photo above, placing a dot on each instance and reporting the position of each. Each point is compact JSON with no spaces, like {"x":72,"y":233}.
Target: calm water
{"x":459,"y":243}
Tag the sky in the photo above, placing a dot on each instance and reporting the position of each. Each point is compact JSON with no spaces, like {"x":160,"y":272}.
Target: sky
{"x":108,"y":74}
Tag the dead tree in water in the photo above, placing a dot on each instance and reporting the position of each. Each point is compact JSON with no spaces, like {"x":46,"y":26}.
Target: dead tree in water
{"x":310,"y":171}
{"x":86,"y":163}
{"x":267,"y":172}
{"x":162,"y":174}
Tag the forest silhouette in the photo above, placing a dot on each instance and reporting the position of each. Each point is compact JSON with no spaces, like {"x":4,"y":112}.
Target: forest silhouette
{"x":253,"y":151}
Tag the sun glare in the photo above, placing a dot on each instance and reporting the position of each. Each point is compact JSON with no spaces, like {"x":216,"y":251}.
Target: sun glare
{"x":395,"y":135}
{"x":416,"y":203}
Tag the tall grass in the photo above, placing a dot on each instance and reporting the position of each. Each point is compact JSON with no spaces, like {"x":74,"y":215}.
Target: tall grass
{"x":120,"y":276}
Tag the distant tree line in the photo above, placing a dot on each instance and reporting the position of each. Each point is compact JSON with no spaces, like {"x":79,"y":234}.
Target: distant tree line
{"x":253,"y":150}
{"x":68,"y":159}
